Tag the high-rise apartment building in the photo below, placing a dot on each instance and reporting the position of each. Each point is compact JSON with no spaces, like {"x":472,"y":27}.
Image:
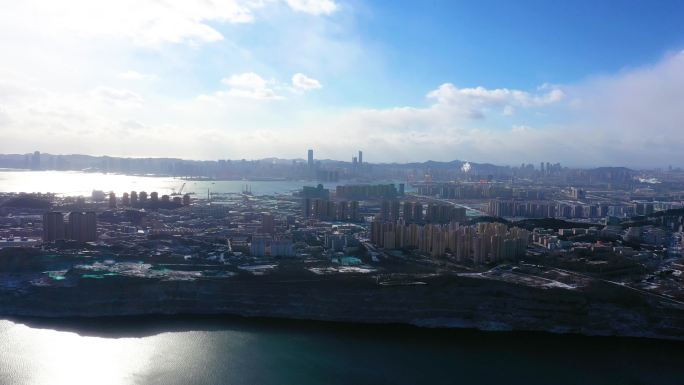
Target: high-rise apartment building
{"x":82,"y":226}
{"x":486,"y":242}
{"x":343,"y":211}
{"x":394,"y":210}
{"x":112,"y":200}
{"x":35,"y":161}
{"x":354,"y":211}
{"x":267,"y":223}
{"x":53,"y":226}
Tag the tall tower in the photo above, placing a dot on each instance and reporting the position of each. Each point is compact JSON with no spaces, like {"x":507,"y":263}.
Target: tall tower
{"x":310,"y":158}
{"x":360,"y":158}
{"x":35,"y":161}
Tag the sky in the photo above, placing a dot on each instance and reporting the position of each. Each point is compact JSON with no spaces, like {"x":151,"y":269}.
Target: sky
{"x":584,"y":83}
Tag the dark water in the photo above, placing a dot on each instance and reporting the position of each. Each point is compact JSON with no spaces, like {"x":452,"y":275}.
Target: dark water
{"x":237,"y":351}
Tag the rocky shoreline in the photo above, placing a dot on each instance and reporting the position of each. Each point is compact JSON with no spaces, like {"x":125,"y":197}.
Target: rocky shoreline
{"x":439,"y":301}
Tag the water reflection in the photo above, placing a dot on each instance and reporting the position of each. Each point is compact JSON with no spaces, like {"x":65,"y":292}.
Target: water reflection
{"x":176,"y":350}
{"x":32,"y":354}
{"x":74,"y":183}
{"x":42,"y":356}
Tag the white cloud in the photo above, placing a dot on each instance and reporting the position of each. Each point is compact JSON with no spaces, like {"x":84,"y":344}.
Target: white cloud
{"x":132,"y":125}
{"x":632,"y":118}
{"x":475,"y":102}
{"x":248,"y":85}
{"x":252,"y":86}
{"x":520,"y":128}
{"x":252,"y":93}
{"x":304,"y":82}
{"x":248,"y":80}
{"x":120,"y":96}
{"x":144,"y":22}
{"x":134,"y":75}
{"x":635,"y":115}
{"x":314,"y":7}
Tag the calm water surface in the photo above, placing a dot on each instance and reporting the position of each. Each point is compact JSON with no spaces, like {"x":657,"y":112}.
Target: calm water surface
{"x":75,"y":183}
{"x":229,"y":351}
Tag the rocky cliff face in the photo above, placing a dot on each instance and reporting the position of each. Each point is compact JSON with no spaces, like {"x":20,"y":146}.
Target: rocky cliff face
{"x":444,"y":301}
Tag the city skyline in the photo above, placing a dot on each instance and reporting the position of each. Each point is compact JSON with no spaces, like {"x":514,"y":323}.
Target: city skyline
{"x":250,"y":80}
{"x":36,"y":161}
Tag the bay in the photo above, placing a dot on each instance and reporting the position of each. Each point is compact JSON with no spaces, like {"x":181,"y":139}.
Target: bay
{"x":76,"y":183}
{"x":201,"y":350}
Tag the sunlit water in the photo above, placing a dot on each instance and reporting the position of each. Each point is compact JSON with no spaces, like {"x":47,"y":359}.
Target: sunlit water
{"x":221,"y":351}
{"x":74,"y":183}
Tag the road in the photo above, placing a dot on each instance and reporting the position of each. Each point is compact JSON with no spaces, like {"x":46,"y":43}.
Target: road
{"x":620,"y":284}
{"x":447,"y":201}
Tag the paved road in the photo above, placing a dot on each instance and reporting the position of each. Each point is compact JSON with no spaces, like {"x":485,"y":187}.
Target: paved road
{"x":449,"y":202}
{"x":620,"y":284}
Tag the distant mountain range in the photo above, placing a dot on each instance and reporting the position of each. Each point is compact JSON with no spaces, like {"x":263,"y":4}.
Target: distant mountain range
{"x":293,"y":168}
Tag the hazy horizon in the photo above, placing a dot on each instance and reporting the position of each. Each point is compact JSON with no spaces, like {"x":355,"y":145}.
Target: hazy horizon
{"x":488,"y":82}
{"x":303,"y":160}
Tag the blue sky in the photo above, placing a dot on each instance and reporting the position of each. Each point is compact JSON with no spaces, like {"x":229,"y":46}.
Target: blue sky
{"x":493,"y":44}
{"x":521,"y":44}
{"x":490,"y":81}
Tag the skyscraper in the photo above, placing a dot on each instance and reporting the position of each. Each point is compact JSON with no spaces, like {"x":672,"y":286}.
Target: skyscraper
{"x":360,"y":158}
{"x":310,"y":159}
{"x":35,"y":161}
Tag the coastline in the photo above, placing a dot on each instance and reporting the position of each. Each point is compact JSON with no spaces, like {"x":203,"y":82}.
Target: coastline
{"x":144,"y":325}
{"x":451,"y":303}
